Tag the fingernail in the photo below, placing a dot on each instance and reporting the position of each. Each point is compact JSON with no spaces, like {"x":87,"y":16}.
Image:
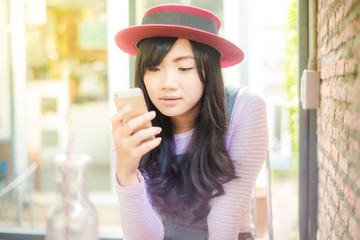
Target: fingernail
{"x":128,"y":107}
{"x":152,"y":114}
{"x":159,"y":129}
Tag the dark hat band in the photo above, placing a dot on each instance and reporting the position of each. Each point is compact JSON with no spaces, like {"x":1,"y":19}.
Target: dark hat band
{"x":181,"y":19}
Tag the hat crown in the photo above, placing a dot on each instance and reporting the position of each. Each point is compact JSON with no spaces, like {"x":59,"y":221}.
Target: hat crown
{"x":191,"y":10}
{"x":180,"y":21}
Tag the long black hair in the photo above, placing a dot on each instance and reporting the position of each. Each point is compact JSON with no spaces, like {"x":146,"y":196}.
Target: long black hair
{"x":187,"y":182}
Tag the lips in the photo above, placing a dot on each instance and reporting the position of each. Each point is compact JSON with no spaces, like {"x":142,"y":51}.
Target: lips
{"x":170,"y":100}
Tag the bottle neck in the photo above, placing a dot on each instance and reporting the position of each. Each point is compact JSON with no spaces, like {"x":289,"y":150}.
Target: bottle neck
{"x":72,"y":181}
{"x":73,"y":190}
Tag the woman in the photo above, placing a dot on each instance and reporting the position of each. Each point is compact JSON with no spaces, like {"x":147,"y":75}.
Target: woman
{"x":194,"y":179}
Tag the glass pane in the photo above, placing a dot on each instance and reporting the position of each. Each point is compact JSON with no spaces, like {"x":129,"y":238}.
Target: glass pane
{"x":67,"y":92}
{"x":279,"y":63}
{"x":5,"y":102}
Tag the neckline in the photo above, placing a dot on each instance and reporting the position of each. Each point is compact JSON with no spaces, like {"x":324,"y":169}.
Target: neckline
{"x":183,"y":134}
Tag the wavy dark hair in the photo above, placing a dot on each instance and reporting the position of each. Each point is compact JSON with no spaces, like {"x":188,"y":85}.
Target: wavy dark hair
{"x":188,"y":182}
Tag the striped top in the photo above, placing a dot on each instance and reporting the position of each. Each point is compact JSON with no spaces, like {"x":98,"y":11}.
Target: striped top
{"x":247,"y":144}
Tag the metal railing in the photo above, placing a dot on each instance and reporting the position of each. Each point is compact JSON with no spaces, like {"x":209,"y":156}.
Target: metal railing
{"x":269,"y":216}
{"x":16,"y":196}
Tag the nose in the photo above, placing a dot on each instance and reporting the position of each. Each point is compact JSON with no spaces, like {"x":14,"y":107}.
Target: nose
{"x":169,"y":80}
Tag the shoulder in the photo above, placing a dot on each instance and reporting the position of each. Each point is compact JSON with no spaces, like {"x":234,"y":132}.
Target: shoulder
{"x":247,"y":102}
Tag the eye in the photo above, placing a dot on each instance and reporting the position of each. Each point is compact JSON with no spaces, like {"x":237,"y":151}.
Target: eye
{"x":153,"y":69}
{"x":185,"y":69}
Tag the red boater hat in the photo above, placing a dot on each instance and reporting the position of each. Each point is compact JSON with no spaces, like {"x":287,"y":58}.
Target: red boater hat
{"x":173,"y":20}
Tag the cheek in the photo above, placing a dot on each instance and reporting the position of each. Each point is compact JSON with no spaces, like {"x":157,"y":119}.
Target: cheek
{"x":197,"y":87}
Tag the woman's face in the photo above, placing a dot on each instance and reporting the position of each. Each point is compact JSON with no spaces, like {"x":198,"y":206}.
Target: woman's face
{"x":174,"y":86}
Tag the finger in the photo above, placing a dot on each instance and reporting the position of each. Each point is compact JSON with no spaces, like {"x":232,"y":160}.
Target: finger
{"x":135,"y":123}
{"x":147,"y":146}
{"x":117,"y":118}
{"x":145,"y":134}
{"x":139,"y":137}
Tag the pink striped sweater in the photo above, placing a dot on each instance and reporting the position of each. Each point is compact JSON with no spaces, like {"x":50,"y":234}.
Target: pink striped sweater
{"x":247,"y":144}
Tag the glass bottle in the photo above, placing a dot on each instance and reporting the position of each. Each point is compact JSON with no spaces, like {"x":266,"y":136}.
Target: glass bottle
{"x":72,"y":217}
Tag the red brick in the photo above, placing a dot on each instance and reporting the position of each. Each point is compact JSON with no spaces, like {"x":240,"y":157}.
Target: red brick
{"x":343,"y":164}
{"x":350,"y":64}
{"x":332,"y":22}
{"x":327,"y":144}
{"x":340,"y":183}
{"x":331,"y":113}
{"x":342,"y":93}
{"x":347,"y":7}
{"x":355,"y":26}
{"x":325,"y":90}
{"x":320,"y":192}
{"x":319,"y":55}
{"x":334,"y":233}
{"x":337,"y":222}
{"x":332,"y":70}
{"x":325,"y":72}
{"x":319,"y":137}
{"x":334,"y":90}
{"x":320,"y":158}
{"x":343,"y":37}
{"x":340,"y":67}
{"x":322,"y":179}
{"x":323,"y":31}
{"x":349,"y":194}
{"x":329,"y":47}
{"x":333,"y":194}
{"x":357,"y":53}
{"x":354,"y":229}
{"x":349,"y":32}
{"x":343,"y":142}
{"x":339,"y":13}
{"x":353,"y":2}
{"x":323,"y":48}
{"x":351,"y":119}
{"x":337,"y":41}
{"x":334,"y":152}
{"x":346,"y":235}
{"x":326,"y":162}
{"x":325,"y":110}
{"x":323,"y":127}
{"x":354,"y":147}
{"x":325,"y":200}
{"x":343,"y":212}
{"x":357,"y":208}
{"x":324,"y":234}
{"x":353,"y":92}
{"x":339,"y":116}
{"x":328,"y":222}
{"x":353,"y":174}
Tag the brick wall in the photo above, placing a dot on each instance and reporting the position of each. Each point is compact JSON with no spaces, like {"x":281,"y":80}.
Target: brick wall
{"x":338,"y":121}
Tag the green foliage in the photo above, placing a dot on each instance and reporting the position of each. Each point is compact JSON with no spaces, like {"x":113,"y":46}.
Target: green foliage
{"x":290,"y":72}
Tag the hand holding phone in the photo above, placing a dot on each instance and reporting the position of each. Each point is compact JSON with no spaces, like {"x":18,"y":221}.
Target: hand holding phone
{"x":135,"y":98}
{"x":132,"y":142}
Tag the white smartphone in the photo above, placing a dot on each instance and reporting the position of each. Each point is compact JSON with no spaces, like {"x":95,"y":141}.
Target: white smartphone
{"x":134,"y":97}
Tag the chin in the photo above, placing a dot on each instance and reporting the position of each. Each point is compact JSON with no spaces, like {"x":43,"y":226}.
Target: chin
{"x":170,"y":112}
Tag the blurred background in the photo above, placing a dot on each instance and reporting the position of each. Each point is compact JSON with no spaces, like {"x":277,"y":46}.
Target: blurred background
{"x":59,"y":65}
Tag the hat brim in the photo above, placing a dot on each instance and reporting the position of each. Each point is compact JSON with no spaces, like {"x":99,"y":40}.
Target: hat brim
{"x":127,"y":38}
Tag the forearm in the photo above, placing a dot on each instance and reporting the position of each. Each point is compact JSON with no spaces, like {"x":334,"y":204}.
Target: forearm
{"x":137,"y":216}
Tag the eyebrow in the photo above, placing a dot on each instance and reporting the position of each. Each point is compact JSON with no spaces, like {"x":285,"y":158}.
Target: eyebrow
{"x":183,"y":58}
